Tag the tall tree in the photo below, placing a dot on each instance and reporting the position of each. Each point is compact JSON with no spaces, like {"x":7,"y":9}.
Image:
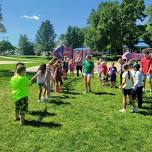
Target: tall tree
{"x":25,"y":45}
{"x":74,"y":37}
{"x":131,"y":11}
{"x":45,"y":37}
{"x":6,"y":46}
{"x":114,"y":24}
{"x":148,"y":27}
{"x":104,"y":27}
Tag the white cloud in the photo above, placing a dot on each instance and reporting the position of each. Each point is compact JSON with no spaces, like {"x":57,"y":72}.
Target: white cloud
{"x":34,"y":17}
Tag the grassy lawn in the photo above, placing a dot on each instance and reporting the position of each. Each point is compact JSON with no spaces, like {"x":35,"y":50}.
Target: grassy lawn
{"x":74,"y":122}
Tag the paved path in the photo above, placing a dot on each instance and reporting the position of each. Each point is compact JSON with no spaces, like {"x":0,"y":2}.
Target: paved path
{"x":32,"y":69}
{"x":12,"y":62}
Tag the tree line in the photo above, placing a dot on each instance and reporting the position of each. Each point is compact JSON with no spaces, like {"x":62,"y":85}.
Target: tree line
{"x":109,"y":27}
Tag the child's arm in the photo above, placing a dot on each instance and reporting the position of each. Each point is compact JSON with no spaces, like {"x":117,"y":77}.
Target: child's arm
{"x":123,"y":83}
{"x":34,"y":78}
{"x":150,"y":68}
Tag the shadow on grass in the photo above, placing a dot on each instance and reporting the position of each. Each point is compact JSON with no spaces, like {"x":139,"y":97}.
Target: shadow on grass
{"x":147,"y":110}
{"x":104,"y":93}
{"x":58,"y":102}
{"x":72,"y":93}
{"x":34,"y":123}
{"x":6,"y":73}
{"x":145,"y":113}
{"x":61,"y":97}
{"x":42,"y":113}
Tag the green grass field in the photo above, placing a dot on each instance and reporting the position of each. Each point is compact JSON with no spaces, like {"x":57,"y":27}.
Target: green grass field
{"x":74,"y":122}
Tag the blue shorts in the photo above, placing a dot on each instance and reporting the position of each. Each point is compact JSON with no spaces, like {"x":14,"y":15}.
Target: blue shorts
{"x":87,"y":74}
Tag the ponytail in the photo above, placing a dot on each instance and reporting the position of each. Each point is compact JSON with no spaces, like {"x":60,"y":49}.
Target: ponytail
{"x":129,"y":75}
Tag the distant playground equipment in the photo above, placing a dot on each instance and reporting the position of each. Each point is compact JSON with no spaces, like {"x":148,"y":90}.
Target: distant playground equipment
{"x":133,"y":55}
{"x":63,"y":51}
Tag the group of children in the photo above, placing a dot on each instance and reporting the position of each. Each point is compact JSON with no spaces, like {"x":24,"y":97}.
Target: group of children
{"x":132,"y":84}
{"x":50,"y":77}
{"x":104,"y":73}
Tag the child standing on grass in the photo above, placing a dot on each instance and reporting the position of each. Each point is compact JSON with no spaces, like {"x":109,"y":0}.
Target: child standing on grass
{"x":138,"y":84}
{"x":48,"y":77}
{"x":65,"y":68}
{"x":88,"y":72}
{"x":57,"y":76}
{"x":40,"y":76}
{"x":104,"y":72}
{"x":126,"y":86}
{"x":20,"y":84}
{"x":99,"y":71}
{"x":121,"y":62}
{"x":113,"y":75}
{"x":72,"y":68}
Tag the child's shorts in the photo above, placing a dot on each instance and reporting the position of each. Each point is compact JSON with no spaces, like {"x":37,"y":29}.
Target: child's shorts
{"x":127,"y":92}
{"x":113,"y":78}
{"x":21,"y":106}
{"x":41,"y":85}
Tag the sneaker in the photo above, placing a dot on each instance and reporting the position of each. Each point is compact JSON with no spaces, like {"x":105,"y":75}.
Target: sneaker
{"x":84,"y":92}
{"x":46,"y":98}
{"x":143,"y":90}
{"x":43,"y":99}
{"x":38,"y":100}
{"x":122,"y":110}
{"x":133,"y":110}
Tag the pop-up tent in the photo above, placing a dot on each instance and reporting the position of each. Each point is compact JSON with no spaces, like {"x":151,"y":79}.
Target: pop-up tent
{"x":141,"y":44}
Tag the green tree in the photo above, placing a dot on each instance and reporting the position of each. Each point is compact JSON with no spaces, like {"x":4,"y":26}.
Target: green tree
{"x":74,"y":37}
{"x":148,"y":27}
{"x":114,"y":24}
{"x":45,"y":37}
{"x":6,"y":46}
{"x":25,"y":45}
{"x":104,"y":27}
{"x":131,"y":11}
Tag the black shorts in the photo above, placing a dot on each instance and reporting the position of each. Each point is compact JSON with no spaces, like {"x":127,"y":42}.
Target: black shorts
{"x":127,"y":92}
{"x":113,"y":78}
{"x":21,"y":106}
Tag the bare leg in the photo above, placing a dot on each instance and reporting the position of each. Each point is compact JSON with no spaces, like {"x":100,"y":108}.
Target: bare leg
{"x":40,"y":93}
{"x":124,"y":102}
{"x":22,"y":119}
{"x":89,"y":83}
{"x":85,"y":83}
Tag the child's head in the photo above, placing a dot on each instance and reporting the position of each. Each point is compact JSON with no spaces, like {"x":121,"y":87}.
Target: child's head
{"x":113,"y":64}
{"x":104,"y":63}
{"x":126,"y":67}
{"x":131,"y":65}
{"x":136,"y":67}
{"x":19,"y":64}
{"x":146,"y":52}
{"x":88,"y":57}
{"x":51,"y":62}
{"x":42,"y":68}
{"x":21,"y":70}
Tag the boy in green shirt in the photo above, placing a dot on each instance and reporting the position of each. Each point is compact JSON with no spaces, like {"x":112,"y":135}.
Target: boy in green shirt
{"x":19,"y":85}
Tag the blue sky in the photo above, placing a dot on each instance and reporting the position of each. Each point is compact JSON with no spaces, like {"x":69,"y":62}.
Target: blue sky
{"x":25,"y":16}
